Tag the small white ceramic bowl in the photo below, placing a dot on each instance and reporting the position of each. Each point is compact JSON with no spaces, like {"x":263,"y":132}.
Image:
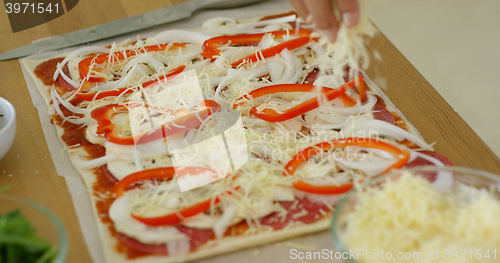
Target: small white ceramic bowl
{"x":7,"y":126}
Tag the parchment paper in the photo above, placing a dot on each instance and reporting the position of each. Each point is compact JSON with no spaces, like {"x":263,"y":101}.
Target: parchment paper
{"x":278,"y":252}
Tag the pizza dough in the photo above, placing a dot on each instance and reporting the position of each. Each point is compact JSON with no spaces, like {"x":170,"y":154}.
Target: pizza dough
{"x":260,"y":205}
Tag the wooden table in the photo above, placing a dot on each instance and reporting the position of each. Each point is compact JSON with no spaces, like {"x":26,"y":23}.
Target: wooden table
{"x":28,"y":165}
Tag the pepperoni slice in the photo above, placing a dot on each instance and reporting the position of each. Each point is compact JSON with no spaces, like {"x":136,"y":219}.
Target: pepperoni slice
{"x":141,"y":247}
{"x":381,"y":113}
{"x":315,"y":74}
{"x":346,"y":75}
{"x":62,"y":81}
{"x":380,"y":101}
{"x":312,"y":76}
{"x":197,"y":237}
{"x":420,"y":161}
{"x":313,"y":213}
{"x":293,"y":24}
{"x":279,"y":15}
{"x":108,"y":174}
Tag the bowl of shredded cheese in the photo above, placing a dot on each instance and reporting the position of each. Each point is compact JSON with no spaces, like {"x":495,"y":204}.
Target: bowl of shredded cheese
{"x":421,"y":214}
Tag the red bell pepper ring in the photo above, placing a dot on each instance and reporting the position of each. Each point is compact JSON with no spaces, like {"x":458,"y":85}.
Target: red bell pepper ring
{"x":150,"y":174}
{"x":84,"y":65}
{"x":360,"y":87}
{"x":106,"y":127}
{"x":401,"y":157}
{"x":211,"y":46}
{"x":271,"y":115}
{"x":103,"y":117}
{"x":209,"y":104}
{"x":322,"y":189}
{"x":273,"y":51}
{"x":88,"y":96}
{"x":168,"y":129}
{"x":347,"y":100}
{"x":168,"y":173}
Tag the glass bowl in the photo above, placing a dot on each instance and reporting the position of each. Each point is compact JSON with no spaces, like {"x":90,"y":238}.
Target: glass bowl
{"x":46,"y":224}
{"x":467,"y":176}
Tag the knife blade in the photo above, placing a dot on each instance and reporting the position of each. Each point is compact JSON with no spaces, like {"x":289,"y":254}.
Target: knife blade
{"x":127,"y":25}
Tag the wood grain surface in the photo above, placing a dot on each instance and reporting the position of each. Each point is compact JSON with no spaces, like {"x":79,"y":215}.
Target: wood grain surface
{"x":28,"y":165}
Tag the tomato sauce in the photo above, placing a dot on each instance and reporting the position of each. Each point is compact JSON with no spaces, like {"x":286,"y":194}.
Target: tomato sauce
{"x":45,"y":71}
{"x":74,"y":135}
{"x":103,"y":188}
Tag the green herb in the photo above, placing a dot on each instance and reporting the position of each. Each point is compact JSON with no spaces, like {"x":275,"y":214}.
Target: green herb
{"x":5,"y":188}
{"x":19,"y":241}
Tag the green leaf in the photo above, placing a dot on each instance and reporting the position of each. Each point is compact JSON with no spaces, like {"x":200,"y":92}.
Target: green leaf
{"x":15,"y":223}
{"x":19,"y":242}
{"x":13,"y":254}
{"x":5,"y":188}
{"x":31,"y":243}
{"x":48,"y":256}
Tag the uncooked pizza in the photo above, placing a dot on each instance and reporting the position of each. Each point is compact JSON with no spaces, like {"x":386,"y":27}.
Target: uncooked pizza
{"x":241,"y":133}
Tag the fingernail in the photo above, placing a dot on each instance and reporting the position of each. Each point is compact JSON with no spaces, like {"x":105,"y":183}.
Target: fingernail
{"x":330,"y":34}
{"x":351,"y":19}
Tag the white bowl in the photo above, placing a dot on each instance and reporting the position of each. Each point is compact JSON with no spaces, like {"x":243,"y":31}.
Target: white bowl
{"x":7,"y":126}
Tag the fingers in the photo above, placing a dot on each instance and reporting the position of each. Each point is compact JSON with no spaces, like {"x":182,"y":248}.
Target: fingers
{"x":323,"y":17}
{"x":301,"y":9}
{"x":350,"y":12}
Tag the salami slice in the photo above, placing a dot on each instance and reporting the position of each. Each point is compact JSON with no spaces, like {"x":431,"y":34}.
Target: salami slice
{"x":141,"y":247}
{"x":380,"y":101}
{"x":381,"y":113}
{"x":312,"y":76}
{"x":420,"y":161}
{"x":304,"y":211}
{"x":197,"y":237}
{"x":108,"y":174}
{"x":62,"y":81}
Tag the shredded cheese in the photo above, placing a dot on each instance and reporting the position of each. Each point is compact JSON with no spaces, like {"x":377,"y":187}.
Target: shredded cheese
{"x":409,"y":215}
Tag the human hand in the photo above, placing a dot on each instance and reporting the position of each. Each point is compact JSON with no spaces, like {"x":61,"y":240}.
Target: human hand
{"x":322,"y":12}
